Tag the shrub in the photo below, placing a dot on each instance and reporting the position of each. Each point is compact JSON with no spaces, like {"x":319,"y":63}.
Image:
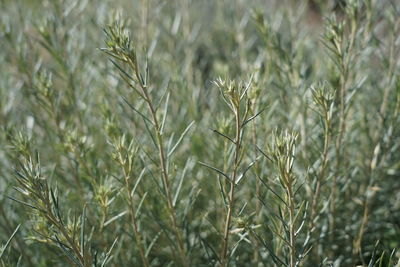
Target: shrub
{"x":200,"y":133}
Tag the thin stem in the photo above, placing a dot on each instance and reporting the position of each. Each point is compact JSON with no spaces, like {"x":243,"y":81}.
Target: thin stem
{"x":138,"y":235}
{"x":258,"y":190}
{"x":292,"y":228}
{"x":231,"y":200}
{"x":322,"y":169}
{"x":346,"y":60}
{"x":50,"y":216}
{"x":164,"y":171}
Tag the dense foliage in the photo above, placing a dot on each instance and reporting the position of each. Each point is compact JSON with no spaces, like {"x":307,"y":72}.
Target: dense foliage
{"x":200,"y":133}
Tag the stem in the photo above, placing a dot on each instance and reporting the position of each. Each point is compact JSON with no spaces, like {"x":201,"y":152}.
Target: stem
{"x":315,"y":199}
{"x":231,"y":200}
{"x":321,"y":172}
{"x":50,"y":216}
{"x":346,"y":60}
{"x":258,"y":191}
{"x":132,"y":212}
{"x":364,"y":221}
{"x":164,"y":172}
{"x":292,"y":229}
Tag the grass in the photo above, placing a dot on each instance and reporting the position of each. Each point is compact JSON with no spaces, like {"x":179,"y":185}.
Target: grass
{"x":199,"y":133}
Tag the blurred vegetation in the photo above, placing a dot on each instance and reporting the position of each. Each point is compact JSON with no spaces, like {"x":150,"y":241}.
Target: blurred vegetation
{"x":200,"y":133}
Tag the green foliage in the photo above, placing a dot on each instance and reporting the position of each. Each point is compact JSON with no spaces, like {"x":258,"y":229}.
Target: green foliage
{"x":199,"y":133}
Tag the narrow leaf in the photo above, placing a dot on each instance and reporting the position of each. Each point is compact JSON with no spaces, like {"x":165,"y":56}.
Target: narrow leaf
{"x":116,"y":217}
{"x":223,"y":135}
{"x":9,"y":240}
{"x":164,"y":114}
{"x":253,"y":117}
{"x":137,"y":111}
{"x":247,"y":87}
{"x":245,"y":171}
{"x":25,"y":203}
{"x":83,"y":218}
{"x":180,"y":184}
{"x":221,"y":189}
{"x":107,"y":257}
{"x":138,"y":181}
{"x":137,"y":213}
{"x":180,"y":139}
{"x":215,"y":169}
{"x":121,"y":69}
{"x":152,"y":243}
{"x":264,"y":154}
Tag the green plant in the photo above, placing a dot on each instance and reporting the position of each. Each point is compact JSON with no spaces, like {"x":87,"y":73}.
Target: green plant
{"x":147,"y":158}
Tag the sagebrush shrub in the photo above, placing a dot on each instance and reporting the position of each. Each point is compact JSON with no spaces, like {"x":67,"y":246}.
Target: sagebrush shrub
{"x":200,"y":133}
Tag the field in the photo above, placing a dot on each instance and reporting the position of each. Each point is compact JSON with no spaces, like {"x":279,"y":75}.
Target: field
{"x":200,"y":133}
